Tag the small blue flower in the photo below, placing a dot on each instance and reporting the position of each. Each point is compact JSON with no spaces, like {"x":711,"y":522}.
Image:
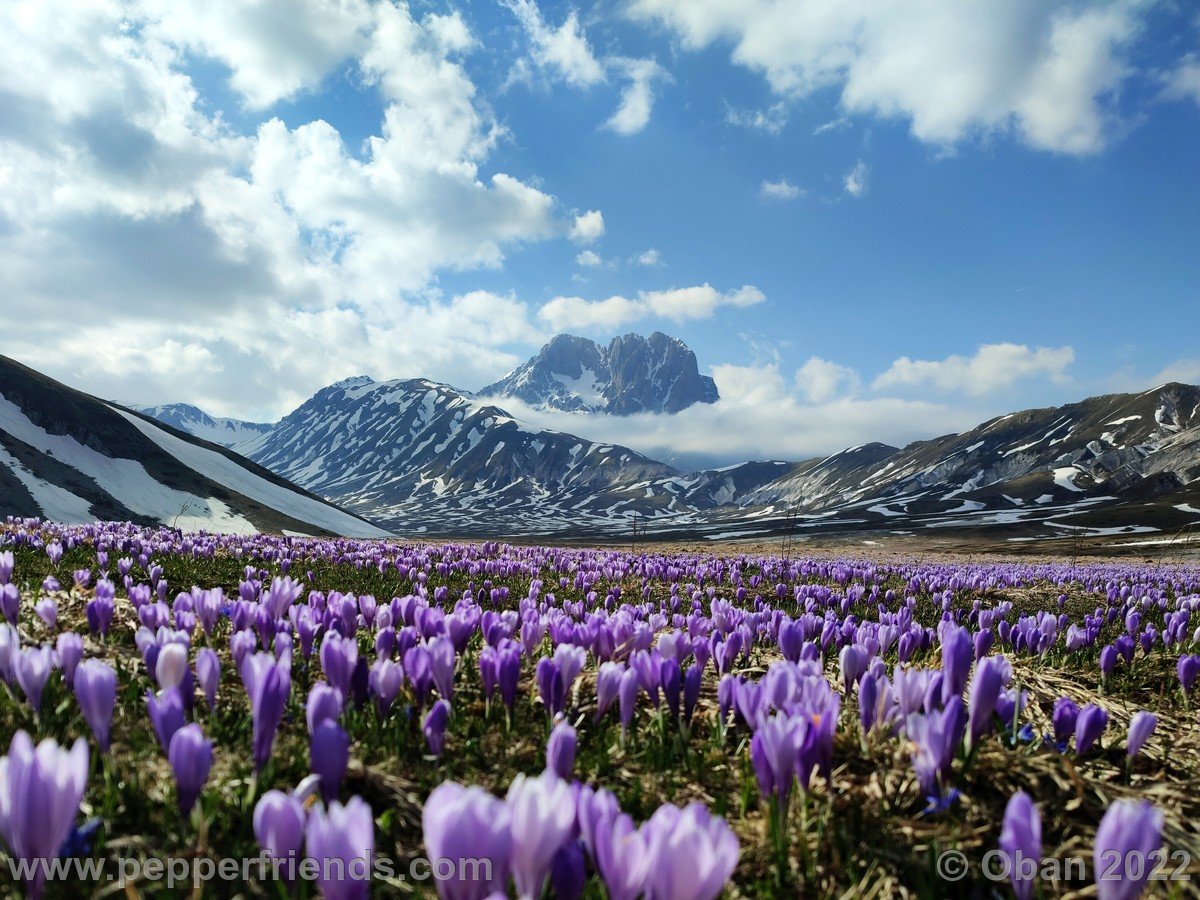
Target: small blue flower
{"x":940,"y":804}
{"x":79,"y":841}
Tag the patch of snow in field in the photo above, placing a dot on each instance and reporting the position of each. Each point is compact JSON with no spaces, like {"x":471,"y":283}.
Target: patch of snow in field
{"x":1122,"y":421}
{"x":882,"y":510}
{"x":1091,"y":531}
{"x":1183,"y":507}
{"x":225,"y":471}
{"x":56,"y":503}
{"x":1064,"y":477}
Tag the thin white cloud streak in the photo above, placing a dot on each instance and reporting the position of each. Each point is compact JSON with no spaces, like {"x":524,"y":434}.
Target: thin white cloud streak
{"x":676,"y":304}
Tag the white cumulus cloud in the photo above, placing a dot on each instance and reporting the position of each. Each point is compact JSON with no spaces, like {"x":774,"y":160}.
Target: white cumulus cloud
{"x":992,"y":367}
{"x":1045,"y":70}
{"x":587,"y":227}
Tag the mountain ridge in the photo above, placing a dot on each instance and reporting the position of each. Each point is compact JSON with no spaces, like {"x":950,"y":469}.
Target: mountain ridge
{"x":422,"y":456}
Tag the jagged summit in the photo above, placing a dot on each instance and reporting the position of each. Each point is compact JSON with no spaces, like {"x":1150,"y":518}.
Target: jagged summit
{"x":632,"y":374}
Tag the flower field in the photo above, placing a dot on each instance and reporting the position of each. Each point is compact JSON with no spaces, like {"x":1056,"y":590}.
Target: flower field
{"x":588,"y":723}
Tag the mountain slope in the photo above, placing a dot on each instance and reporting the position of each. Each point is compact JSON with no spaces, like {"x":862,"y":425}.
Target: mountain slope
{"x":1120,"y":463}
{"x":198,"y":423}
{"x":632,"y":374}
{"x":420,"y":455}
{"x":71,"y":457}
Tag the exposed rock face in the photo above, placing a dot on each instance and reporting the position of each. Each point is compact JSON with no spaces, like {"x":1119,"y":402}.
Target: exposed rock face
{"x":632,"y":374}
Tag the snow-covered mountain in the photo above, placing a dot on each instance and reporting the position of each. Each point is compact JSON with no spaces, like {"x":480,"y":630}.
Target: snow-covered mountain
{"x":422,"y":456}
{"x":195,"y":421}
{"x":1113,"y":464}
{"x":632,"y":374}
{"x":67,"y":456}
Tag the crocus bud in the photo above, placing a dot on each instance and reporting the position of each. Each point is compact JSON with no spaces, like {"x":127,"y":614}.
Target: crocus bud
{"x":560,"y":750}
{"x":191,"y":757}
{"x":1021,"y":842}
{"x":171,"y":666}
{"x":435,"y":727}
{"x":1128,"y":837}
{"x":1141,"y":726}
{"x":329,"y":753}
{"x":1089,"y":726}
{"x":96,"y":691}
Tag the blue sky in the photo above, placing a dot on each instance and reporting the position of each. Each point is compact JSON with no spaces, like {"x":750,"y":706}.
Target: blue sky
{"x":870,"y":221}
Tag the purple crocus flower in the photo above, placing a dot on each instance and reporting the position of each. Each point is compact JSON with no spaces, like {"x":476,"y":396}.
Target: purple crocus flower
{"x":774,"y":753}
{"x":171,"y":667}
{"x":608,"y":683}
{"x":1188,"y":668}
{"x":467,"y":823}
{"x":339,"y":657}
{"x":434,"y":727}
{"x":691,"y":853}
{"x":166,"y":715}
{"x":69,"y":648}
{"x":936,"y":736}
{"x":560,"y":750}
{"x":269,"y":683}
{"x":7,"y":563}
{"x":329,"y":754}
{"x":191,"y":758}
{"x":1141,"y":726}
{"x":989,"y":680}
{"x":508,"y":673}
{"x":33,"y":667}
{"x":853,"y":662}
{"x":1128,"y":835}
{"x":47,"y":611}
{"x":10,"y":602}
{"x":96,"y":691}
{"x":568,"y":872}
{"x":621,"y":855}
{"x":346,"y":834}
{"x":279,"y":825}
{"x":324,"y":702}
{"x":40,"y":791}
{"x":1021,"y":842}
{"x":627,"y":694}
{"x":386,"y":679}
{"x":100,"y":608}
{"x":1089,"y":726}
{"x":208,"y":674}
{"x":543,"y":818}
{"x":550,"y":685}
{"x":1063,"y":718}
{"x":441,"y":666}
{"x":957,"y":655}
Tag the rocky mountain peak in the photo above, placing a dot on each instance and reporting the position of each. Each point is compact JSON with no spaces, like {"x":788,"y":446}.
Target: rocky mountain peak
{"x":632,"y":374}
